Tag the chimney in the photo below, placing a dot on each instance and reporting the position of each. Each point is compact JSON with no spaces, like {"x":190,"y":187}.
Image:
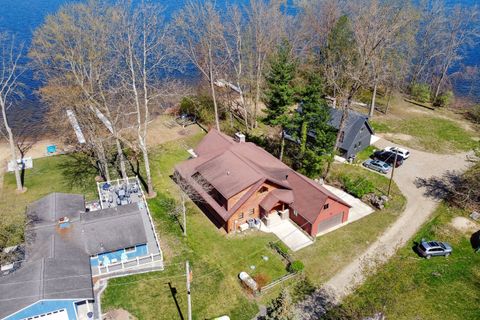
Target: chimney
{"x":239,"y":137}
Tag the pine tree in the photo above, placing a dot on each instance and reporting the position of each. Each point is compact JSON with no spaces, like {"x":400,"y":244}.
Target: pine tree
{"x":313,"y":120}
{"x":281,"y":308}
{"x":280,"y":92}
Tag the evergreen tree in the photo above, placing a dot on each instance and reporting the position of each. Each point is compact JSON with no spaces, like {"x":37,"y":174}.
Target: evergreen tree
{"x":313,"y":131}
{"x":281,"y":308}
{"x":280,"y":92}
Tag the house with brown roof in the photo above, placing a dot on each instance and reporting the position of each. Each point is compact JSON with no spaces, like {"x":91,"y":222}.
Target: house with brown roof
{"x":238,"y":181}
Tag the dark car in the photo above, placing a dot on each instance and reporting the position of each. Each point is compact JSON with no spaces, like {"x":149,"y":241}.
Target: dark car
{"x":429,"y":249}
{"x":186,"y":119}
{"x":388,"y":157}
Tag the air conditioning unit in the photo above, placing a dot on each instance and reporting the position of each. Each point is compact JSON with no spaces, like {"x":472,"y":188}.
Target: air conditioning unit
{"x":239,"y":137}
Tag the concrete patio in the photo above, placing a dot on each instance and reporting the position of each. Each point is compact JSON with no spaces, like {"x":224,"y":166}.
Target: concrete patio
{"x":288,"y":232}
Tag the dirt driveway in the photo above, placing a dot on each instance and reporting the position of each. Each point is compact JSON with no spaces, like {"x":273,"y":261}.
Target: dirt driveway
{"x":418,"y":209}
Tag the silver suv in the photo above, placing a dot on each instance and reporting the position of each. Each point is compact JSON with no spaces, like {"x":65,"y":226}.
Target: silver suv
{"x":428,"y":249}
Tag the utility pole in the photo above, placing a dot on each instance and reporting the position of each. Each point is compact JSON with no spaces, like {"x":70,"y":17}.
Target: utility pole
{"x":393,"y":170}
{"x":189,"y":301}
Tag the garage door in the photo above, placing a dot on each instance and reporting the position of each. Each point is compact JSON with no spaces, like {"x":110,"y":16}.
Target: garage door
{"x":329,"y":223}
{"x":54,"y":315}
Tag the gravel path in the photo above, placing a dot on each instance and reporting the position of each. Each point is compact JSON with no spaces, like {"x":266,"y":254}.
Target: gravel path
{"x":418,"y":210}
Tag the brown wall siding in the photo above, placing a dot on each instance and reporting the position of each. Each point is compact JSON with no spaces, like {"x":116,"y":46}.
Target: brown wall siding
{"x":235,"y":198}
{"x":334,"y":208}
{"x":252,"y":203}
{"x":301,"y":222}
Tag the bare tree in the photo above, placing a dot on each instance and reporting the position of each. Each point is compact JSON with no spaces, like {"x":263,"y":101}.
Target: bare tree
{"x":75,"y":44}
{"x":200,"y":36}
{"x":461,"y":30}
{"x":146,"y":45}
{"x":186,"y":193}
{"x":360,"y":38}
{"x":266,"y":27}
{"x":10,"y":71}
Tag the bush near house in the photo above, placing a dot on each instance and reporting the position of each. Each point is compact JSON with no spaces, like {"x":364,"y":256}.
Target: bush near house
{"x":420,"y":92}
{"x":444,"y":100}
{"x":475,"y":113}
{"x":296,"y":266}
{"x":357,"y":187}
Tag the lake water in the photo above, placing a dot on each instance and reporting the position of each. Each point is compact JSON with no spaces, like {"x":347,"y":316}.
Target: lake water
{"x":21,"y":17}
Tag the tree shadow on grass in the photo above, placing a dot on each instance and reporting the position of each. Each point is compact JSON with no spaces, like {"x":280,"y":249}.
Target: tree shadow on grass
{"x":475,"y":241}
{"x":440,"y":188}
{"x":78,"y":171}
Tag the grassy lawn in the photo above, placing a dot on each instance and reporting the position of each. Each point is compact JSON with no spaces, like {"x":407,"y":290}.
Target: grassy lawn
{"x":47,"y":175}
{"x":333,"y":251}
{"x":216,"y":259}
{"x":410,"y":287}
{"x":439,"y":131}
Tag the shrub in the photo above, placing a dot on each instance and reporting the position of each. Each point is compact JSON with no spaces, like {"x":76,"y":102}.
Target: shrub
{"x":444,"y":100}
{"x":475,"y":113}
{"x":357,"y":187}
{"x":420,"y":92}
{"x":296,"y":266}
{"x":202,"y":107}
{"x":303,"y":288}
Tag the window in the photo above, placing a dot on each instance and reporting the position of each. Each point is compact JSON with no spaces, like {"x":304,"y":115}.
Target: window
{"x":342,"y":136}
{"x":130,"y":249}
{"x":251,"y":212}
{"x":263,"y":189}
{"x":240,"y":216}
{"x":295,"y":213}
{"x":326,"y":205}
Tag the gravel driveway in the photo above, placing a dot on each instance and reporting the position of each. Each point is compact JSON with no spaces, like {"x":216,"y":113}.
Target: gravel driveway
{"x":418,"y":209}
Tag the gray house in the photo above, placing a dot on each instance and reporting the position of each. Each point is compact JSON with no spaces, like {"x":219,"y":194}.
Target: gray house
{"x":67,"y":249}
{"x":356,"y":134}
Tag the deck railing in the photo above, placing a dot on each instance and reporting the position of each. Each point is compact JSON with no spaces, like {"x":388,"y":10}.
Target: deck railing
{"x":128,"y":264}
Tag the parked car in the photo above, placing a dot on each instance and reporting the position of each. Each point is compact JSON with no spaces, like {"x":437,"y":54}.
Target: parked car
{"x":429,"y":249}
{"x":400,"y":151}
{"x":388,"y":157}
{"x":377,"y":165}
{"x":186,"y":119}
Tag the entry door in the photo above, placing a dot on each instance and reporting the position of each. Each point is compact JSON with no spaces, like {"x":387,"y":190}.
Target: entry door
{"x":329,"y":223}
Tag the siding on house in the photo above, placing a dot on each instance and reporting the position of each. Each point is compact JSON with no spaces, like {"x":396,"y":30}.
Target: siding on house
{"x":334,"y":208}
{"x":46,"y":306}
{"x":140,"y":250}
{"x":300,"y":221}
{"x":252,"y":203}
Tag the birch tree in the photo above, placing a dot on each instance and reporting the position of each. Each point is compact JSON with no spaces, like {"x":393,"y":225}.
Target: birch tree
{"x":144,"y":40}
{"x":75,"y":44}
{"x":10,"y":71}
{"x":200,"y":39}
{"x":266,"y":28}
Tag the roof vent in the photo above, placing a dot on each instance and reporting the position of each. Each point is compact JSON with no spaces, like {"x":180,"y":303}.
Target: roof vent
{"x":239,"y":137}
{"x":228,"y":173}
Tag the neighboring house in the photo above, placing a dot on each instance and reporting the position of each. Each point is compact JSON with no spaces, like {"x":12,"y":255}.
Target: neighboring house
{"x":238,"y":181}
{"x":356,"y":134}
{"x":67,"y":250}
